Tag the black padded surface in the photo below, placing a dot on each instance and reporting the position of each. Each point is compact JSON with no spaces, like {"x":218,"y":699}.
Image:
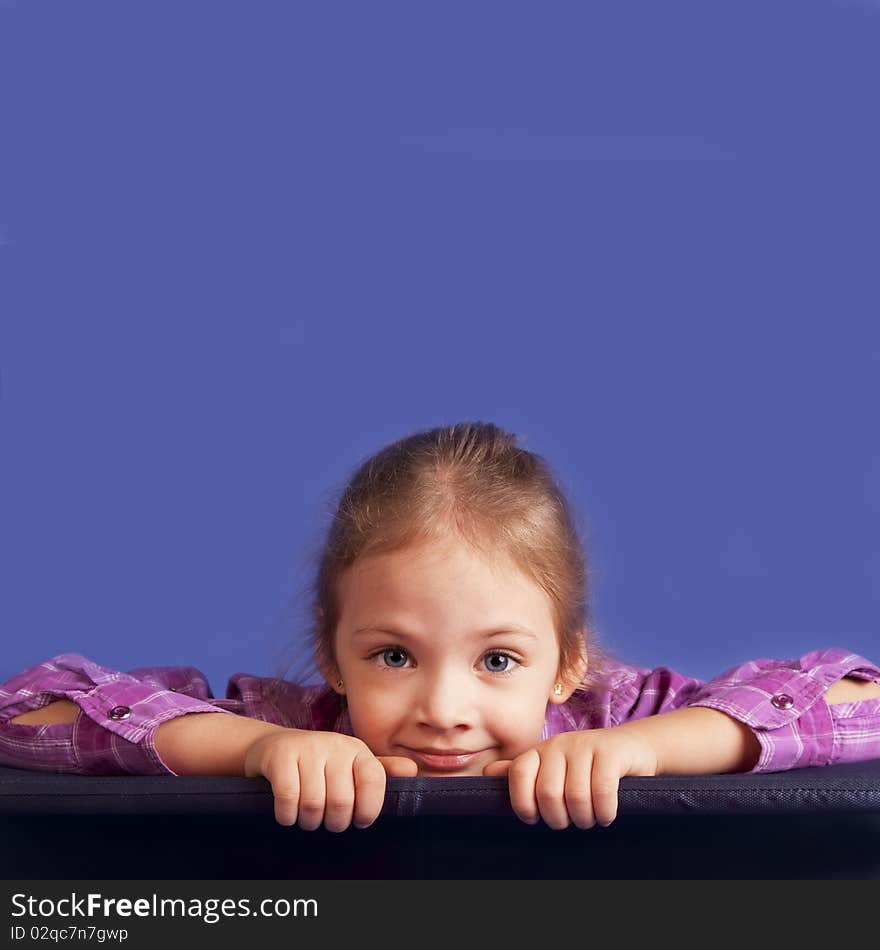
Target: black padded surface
{"x":805,"y":823}
{"x":849,"y":788}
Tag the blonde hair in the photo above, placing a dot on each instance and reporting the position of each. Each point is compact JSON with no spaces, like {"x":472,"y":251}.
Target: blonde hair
{"x":471,"y":478}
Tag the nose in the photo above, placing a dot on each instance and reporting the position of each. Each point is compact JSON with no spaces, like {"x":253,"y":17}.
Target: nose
{"x":444,"y":700}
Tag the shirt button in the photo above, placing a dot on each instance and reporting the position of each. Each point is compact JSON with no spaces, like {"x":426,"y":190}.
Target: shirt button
{"x":119,"y":712}
{"x":782,"y":701}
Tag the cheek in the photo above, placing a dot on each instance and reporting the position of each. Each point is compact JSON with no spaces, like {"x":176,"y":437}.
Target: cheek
{"x":373,"y":716}
{"x":520,"y":722}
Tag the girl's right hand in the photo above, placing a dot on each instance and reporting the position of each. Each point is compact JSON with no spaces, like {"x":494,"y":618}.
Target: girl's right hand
{"x":323,"y":776}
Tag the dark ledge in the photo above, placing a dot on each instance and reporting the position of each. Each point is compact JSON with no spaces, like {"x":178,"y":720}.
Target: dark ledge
{"x":850,"y":788}
{"x":807,"y":823}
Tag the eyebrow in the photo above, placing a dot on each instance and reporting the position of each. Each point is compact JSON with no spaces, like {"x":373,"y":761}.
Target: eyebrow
{"x":511,"y":629}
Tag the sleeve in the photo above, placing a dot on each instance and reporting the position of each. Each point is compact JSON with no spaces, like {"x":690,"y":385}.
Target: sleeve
{"x":783,"y":702}
{"x":114,"y":729}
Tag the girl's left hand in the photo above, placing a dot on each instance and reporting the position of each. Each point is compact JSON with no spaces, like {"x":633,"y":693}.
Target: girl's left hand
{"x":574,"y":776}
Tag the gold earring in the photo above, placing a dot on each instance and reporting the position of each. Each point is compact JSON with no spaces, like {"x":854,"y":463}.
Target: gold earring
{"x":557,"y":689}
{"x":339,"y":684}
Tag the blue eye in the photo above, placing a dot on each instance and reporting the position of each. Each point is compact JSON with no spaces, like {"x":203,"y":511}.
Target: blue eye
{"x":498,"y":656}
{"x":394,"y":651}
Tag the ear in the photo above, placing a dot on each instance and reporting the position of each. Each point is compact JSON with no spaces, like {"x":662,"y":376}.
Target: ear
{"x":570,"y":674}
{"x":330,"y":672}
{"x":326,"y":665}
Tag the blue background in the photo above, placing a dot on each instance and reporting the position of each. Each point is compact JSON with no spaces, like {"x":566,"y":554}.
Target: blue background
{"x":244,"y":245}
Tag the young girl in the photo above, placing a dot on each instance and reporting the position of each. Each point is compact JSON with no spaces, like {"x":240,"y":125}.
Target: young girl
{"x":451,"y":626}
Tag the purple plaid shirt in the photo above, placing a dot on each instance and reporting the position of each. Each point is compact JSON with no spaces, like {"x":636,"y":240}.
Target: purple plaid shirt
{"x":113,"y":732}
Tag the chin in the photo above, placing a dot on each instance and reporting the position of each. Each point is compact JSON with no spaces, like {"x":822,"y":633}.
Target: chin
{"x":458,"y":773}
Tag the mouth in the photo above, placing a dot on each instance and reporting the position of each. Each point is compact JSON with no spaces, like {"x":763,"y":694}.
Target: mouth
{"x":443,"y":762}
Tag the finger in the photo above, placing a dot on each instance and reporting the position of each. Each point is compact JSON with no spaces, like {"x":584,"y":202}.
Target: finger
{"x":521,"y":777}
{"x":369,"y":792}
{"x":399,"y":766}
{"x":285,"y":790}
{"x":605,"y":783}
{"x":312,"y":794}
{"x":498,"y":767}
{"x":578,"y":799}
{"x":550,"y":789}
{"x":339,"y":800}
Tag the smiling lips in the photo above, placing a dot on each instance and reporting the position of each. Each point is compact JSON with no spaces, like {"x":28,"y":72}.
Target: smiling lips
{"x":444,"y":759}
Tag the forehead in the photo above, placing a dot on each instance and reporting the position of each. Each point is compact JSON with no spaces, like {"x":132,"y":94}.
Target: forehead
{"x":446,"y":559}
{"x":446,"y":577}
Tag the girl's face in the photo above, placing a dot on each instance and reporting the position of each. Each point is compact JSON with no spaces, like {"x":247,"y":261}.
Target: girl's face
{"x":425,"y":667}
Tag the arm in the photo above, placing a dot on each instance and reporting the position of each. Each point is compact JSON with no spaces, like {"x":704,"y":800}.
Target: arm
{"x":697,"y":740}
{"x":851,"y":690}
{"x":192,"y":744}
{"x":64,"y":710}
{"x":70,"y":714}
{"x":205,"y":744}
